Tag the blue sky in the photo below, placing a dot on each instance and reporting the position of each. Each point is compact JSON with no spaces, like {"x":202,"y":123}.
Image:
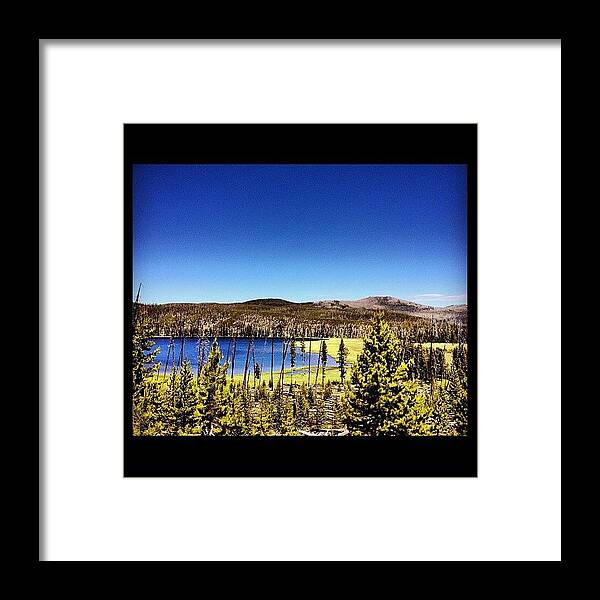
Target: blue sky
{"x":228,"y":233}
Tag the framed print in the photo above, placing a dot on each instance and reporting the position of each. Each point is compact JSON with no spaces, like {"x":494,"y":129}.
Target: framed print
{"x":300,"y":300}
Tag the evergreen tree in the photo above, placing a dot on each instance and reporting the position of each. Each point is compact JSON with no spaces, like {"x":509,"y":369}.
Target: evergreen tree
{"x":406,"y":411}
{"x":276,"y":402}
{"x":233,"y":413}
{"x":340,"y":408}
{"x":323,"y":361}
{"x":186,"y":402}
{"x":292,"y":361}
{"x":265,"y":410}
{"x":372,"y":379}
{"x":159,"y":413}
{"x":143,"y":372}
{"x":302,"y":407}
{"x":318,"y":415}
{"x":288,"y":421}
{"x":342,"y":355}
{"x":453,"y":410}
{"x":328,"y":406}
{"x":257,"y":373}
{"x":211,"y":391}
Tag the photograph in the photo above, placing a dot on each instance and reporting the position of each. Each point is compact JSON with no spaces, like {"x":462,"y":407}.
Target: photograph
{"x":299,"y":300}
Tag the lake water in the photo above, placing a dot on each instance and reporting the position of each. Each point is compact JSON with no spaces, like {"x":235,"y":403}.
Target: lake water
{"x":260,"y":352}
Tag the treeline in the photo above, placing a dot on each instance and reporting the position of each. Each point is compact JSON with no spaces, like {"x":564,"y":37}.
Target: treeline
{"x":290,"y":320}
{"x":393,"y":389}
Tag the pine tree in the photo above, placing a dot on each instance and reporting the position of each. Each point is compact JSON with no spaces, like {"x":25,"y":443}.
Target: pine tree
{"x":186,"y":402}
{"x":233,"y":413}
{"x":318,"y":416}
{"x":143,"y":372}
{"x":328,"y":405}
{"x":158,"y":413}
{"x":453,"y":410}
{"x":342,"y":355}
{"x":276,"y":403}
{"x":323,"y":361}
{"x":372,"y":379}
{"x":211,"y":391}
{"x":406,"y":411}
{"x":302,"y":407}
{"x":257,"y":373}
{"x":340,"y":408}
{"x":265,"y":413}
{"x":288,"y":421}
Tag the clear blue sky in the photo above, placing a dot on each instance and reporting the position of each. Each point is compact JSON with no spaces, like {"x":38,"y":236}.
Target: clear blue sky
{"x":228,"y":233}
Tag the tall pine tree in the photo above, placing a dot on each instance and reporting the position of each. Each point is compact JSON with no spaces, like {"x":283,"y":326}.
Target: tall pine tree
{"x":342,"y":356}
{"x":372,"y":378}
{"x":212,"y":382}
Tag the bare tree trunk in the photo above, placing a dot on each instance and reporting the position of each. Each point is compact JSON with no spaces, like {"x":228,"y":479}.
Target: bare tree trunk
{"x":254,"y":366}
{"x":180,"y":361}
{"x":272,"y":357}
{"x":309,"y":354}
{"x":136,"y":304}
{"x":168,"y":355}
{"x":284,"y":352}
{"x":246,"y":364}
{"x":233,"y":356}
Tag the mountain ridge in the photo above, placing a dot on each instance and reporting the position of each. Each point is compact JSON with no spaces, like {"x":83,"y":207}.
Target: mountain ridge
{"x":386,"y":303}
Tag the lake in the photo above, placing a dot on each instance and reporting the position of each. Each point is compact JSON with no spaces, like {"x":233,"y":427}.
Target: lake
{"x":260,"y":352}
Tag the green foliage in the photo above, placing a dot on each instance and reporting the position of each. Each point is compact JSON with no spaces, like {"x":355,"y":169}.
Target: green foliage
{"x":383,"y":401}
{"x":143,"y":371}
{"x":372,"y":379}
{"x":233,"y":420}
{"x":265,"y":410}
{"x":292,"y":352}
{"x":406,"y":411}
{"x":340,"y":407}
{"x":324,"y":358}
{"x":342,"y":356}
{"x":257,"y":372}
{"x":302,"y":407}
{"x":288,"y":418}
{"x":212,"y":382}
{"x":452,"y":405}
{"x":395,"y":388}
{"x":186,"y":405}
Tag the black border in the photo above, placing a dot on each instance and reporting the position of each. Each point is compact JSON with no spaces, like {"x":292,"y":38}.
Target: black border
{"x":302,"y":456}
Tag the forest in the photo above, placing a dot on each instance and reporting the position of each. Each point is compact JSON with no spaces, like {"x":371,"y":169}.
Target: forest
{"x":280,"y":318}
{"x":394,"y":374}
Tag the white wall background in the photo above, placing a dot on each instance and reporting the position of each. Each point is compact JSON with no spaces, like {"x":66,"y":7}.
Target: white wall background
{"x":512,"y":510}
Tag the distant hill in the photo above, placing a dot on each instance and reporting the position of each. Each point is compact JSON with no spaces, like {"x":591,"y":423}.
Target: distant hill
{"x":391,"y":303}
{"x":345,"y":310}
{"x":268,"y":302}
{"x":375,"y":303}
{"x":385,"y":303}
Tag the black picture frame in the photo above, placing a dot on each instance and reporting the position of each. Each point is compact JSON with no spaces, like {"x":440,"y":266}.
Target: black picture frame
{"x":314,"y":456}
